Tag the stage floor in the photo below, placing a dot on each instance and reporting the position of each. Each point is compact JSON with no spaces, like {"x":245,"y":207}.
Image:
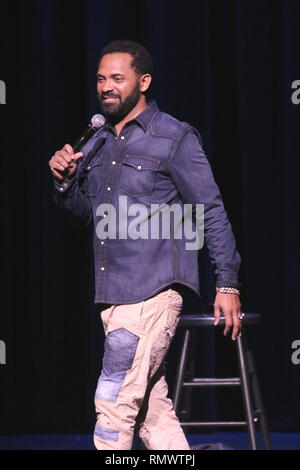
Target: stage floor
{"x":235,"y":440}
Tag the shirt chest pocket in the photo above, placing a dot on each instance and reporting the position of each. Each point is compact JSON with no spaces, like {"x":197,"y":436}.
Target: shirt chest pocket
{"x":90,"y":176}
{"x":138,"y":175}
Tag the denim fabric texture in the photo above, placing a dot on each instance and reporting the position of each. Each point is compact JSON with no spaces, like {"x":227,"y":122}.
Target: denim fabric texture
{"x":120,"y":344}
{"x":106,"y":434}
{"x":156,"y":159}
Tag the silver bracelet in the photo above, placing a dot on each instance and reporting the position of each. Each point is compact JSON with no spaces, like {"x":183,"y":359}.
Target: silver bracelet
{"x":228,"y":290}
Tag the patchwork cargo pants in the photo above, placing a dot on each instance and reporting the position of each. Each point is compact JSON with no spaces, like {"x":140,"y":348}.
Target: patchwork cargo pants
{"x":131,"y":394}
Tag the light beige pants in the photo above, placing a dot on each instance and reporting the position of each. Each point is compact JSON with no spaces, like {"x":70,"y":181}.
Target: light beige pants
{"x":132,"y":391}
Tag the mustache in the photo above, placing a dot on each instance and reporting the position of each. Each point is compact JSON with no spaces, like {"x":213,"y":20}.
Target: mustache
{"x":108,"y":95}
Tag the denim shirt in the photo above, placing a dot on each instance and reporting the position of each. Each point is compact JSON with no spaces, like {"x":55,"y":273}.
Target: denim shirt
{"x":156,"y":160}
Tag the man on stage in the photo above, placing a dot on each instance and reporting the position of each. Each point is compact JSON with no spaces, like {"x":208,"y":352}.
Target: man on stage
{"x":144,"y":163}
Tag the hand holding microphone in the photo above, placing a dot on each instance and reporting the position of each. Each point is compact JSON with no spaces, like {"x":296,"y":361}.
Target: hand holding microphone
{"x":64,"y":162}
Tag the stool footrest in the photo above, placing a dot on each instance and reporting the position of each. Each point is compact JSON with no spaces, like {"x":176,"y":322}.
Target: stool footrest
{"x":213,"y":382}
{"x":214,"y":423}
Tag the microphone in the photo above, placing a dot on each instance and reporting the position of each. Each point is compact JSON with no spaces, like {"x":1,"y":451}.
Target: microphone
{"x":97,"y":121}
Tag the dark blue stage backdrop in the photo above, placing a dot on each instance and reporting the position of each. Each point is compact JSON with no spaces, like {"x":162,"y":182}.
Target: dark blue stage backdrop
{"x":228,"y":68}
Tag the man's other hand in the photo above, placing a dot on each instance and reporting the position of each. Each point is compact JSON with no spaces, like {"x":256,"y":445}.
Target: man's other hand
{"x":230,"y":305}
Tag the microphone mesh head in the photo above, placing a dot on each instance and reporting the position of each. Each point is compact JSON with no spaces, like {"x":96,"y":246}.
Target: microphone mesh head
{"x":98,"y":120}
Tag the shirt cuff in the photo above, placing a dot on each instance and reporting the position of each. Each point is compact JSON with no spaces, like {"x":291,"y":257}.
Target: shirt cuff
{"x":228,"y":282}
{"x":63,"y":187}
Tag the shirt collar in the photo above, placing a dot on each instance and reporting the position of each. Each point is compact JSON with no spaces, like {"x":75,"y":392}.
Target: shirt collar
{"x":145,"y":118}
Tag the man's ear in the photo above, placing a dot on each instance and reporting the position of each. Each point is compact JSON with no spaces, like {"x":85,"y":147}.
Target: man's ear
{"x":145,"y":81}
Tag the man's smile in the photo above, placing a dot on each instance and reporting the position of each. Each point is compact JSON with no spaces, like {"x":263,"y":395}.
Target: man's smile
{"x":109,"y":99}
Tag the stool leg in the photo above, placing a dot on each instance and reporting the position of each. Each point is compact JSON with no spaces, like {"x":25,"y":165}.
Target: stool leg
{"x":188,"y":374}
{"x":180,"y":373}
{"x":246,"y":393}
{"x":262,"y":419}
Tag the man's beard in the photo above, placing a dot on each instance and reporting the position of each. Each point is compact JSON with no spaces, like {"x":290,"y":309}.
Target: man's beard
{"x":116,"y":112}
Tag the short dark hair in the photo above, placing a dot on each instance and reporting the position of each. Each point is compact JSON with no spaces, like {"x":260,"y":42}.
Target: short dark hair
{"x":141,"y":62}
